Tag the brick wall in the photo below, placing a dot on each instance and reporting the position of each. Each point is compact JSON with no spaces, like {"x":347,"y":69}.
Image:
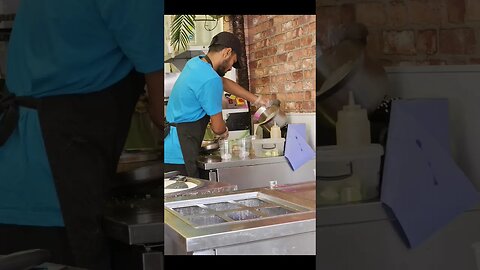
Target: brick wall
{"x":409,"y":32}
{"x":281,"y":59}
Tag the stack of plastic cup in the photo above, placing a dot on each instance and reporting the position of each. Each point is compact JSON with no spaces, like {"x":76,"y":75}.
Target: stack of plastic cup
{"x":225,"y":149}
{"x":245,"y":145}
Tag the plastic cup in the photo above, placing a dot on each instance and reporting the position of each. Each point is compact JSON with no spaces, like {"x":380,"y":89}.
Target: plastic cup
{"x":225,"y":149}
{"x":245,"y":144}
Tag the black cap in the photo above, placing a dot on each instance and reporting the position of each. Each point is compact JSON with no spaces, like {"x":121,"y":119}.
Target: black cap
{"x":228,"y":40}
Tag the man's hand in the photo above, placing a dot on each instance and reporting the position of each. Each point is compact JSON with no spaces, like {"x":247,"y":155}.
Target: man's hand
{"x":262,"y":101}
{"x":222,"y":136}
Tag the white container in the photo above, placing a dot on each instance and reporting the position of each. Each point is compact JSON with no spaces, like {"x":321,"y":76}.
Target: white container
{"x":352,"y":127}
{"x":268,"y":147}
{"x":345,"y":169}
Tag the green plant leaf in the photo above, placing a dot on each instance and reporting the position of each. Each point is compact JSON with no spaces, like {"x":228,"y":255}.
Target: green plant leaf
{"x":183,"y":26}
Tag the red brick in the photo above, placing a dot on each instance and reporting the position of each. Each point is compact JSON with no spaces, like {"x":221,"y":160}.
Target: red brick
{"x":272,"y":51}
{"x":399,"y":42}
{"x":308,"y":85}
{"x":290,"y":106}
{"x":265,"y":80}
{"x":252,"y":64}
{"x":257,"y":37}
{"x":254,"y":21}
{"x":296,"y":96}
{"x":307,"y":41}
{"x":259,"y":72}
{"x":273,"y":70}
{"x":456,"y":11}
{"x":308,"y":106}
{"x":457,"y":41}
{"x":260,"y":90}
{"x":397,"y":13}
{"x":309,"y":63}
{"x":298,"y":86}
{"x":292,"y":45}
{"x":298,"y":75}
{"x":289,"y":86}
{"x":371,"y":13}
{"x":427,"y":41}
{"x":269,"y":33}
{"x":309,"y":95}
{"x":278,"y":79}
{"x":301,"y":20}
{"x":425,"y":11}
{"x":281,"y":58}
{"x":311,"y":29}
{"x":289,"y":25}
{"x":292,"y":34}
{"x":309,"y":74}
{"x":282,"y":69}
{"x":472,"y":10}
{"x":280,"y":38}
{"x":281,"y":97}
{"x":311,"y":51}
{"x":274,"y":88}
{"x":297,"y":54}
{"x":298,"y":65}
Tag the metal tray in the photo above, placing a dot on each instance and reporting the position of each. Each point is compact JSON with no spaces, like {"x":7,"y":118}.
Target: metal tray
{"x":211,"y":211}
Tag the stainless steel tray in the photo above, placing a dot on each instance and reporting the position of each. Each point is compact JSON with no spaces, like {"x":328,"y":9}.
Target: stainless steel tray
{"x":233,"y":208}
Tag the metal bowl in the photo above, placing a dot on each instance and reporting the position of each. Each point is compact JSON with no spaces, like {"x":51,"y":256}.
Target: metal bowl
{"x":266,"y":117}
{"x":209,"y":146}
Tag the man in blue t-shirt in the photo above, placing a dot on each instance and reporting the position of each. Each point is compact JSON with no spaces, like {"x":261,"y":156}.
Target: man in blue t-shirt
{"x":196,"y":100}
{"x":75,"y":70}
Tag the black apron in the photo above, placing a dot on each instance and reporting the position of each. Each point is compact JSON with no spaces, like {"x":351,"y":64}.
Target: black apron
{"x":84,"y":135}
{"x":190,"y":136}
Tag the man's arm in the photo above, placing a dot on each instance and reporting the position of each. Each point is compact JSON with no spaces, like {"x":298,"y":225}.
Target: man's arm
{"x":237,"y":90}
{"x":154,"y":82}
{"x":217,"y":124}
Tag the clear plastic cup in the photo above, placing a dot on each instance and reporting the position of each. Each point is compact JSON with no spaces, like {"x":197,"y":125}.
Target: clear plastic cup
{"x":245,"y":145}
{"x":225,"y":147}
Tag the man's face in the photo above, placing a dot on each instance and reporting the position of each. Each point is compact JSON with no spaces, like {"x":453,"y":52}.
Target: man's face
{"x":229,"y":58}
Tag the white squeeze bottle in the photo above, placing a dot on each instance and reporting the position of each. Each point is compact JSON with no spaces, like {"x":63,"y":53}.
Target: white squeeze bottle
{"x":275,"y":131}
{"x":353,"y":127}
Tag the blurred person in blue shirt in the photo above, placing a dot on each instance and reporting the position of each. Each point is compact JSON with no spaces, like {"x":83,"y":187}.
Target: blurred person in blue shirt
{"x":75,"y":70}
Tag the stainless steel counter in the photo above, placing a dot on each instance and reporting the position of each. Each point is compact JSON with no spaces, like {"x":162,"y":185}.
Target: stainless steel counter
{"x":253,"y":221}
{"x":255,"y":172}
{"x":235,"y":161}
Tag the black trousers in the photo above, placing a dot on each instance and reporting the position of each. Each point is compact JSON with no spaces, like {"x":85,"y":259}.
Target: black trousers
{"x":84,"y":135}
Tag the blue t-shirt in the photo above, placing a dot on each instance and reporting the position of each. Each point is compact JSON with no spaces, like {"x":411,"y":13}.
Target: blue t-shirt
{"x":66,"y":47}
{"x":197,"y":92}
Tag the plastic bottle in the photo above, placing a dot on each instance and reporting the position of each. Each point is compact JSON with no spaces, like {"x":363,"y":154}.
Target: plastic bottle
{"x":275,"y":131}
{"x":353,"y":127}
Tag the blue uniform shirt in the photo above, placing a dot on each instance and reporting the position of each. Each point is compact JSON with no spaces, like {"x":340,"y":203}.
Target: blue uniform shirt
{"x":66,"y":47}
{"x":197,"y":92}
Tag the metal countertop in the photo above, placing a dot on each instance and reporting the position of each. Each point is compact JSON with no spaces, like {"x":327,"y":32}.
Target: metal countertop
{"x":235,"y":161}
{"x":242,"y":231}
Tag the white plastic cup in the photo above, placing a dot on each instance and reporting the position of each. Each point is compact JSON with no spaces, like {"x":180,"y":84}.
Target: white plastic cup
{"x":245,"y":145}
{"x":225,"y":149}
